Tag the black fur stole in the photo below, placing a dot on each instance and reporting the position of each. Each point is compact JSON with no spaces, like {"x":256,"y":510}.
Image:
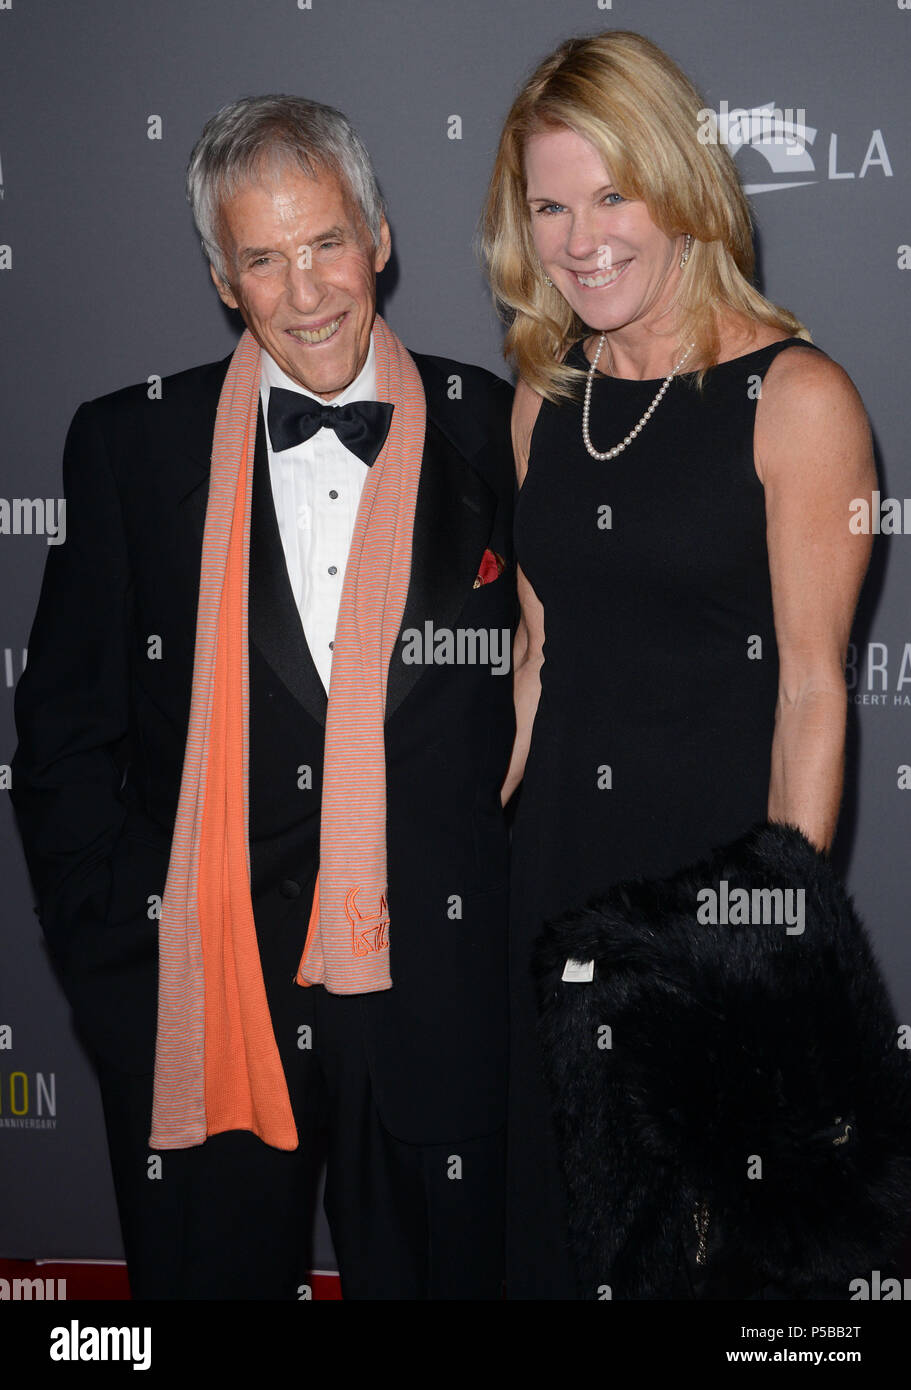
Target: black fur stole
{"x":732,"y":1098}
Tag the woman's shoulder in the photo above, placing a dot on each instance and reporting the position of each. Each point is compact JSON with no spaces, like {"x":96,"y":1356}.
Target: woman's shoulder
{"x":797,"y":368}
{"x":807,"y":403}
{"x":802,"y":375}
{"x":741,"y":337}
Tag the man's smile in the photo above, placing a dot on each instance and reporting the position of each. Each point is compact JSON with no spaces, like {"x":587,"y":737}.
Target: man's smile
{"x":320,"y":333}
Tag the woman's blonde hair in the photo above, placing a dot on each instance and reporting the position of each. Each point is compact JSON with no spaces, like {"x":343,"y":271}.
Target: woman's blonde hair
{"x":625,"y":96}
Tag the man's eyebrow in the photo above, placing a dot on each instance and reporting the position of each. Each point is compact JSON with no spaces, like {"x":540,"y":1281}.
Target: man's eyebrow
{"x":249,"y":253}
{"x":333,"y":234}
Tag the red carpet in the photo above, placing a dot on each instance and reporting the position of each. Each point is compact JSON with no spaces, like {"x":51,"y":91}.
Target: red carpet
{"x":73,"y":1280}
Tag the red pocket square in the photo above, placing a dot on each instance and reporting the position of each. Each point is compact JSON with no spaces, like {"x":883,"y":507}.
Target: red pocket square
{"x":492,"y":566}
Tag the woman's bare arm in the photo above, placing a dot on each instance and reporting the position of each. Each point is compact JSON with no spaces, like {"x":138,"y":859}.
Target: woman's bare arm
{"x":813,"y":456}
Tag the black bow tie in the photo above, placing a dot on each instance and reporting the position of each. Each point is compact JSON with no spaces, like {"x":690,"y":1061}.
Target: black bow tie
{"x":361,"y":426}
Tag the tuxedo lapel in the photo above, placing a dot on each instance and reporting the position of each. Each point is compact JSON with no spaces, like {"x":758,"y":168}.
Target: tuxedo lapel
{"x":275,"y":625}
{"x":453,"y":516}
{"x":452,"y":523}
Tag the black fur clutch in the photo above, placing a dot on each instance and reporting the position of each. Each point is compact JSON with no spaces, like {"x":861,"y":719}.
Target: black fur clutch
{"x":731,"y":1090}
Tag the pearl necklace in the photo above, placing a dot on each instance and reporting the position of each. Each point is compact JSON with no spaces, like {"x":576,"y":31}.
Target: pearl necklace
{"x":586,"y":408}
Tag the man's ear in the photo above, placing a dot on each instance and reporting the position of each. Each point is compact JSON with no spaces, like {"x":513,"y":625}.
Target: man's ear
{"x":225,"y":292}
{"x":384,"y":247}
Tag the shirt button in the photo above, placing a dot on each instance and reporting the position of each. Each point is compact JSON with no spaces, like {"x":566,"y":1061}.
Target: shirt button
{"x":333,"y":569}
{"x":289,"y":888}
{"x":331,"y":645}
{"x":333,"y":494}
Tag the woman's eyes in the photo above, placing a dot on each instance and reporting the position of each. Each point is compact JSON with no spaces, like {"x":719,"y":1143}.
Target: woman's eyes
{"x":550,"y":209}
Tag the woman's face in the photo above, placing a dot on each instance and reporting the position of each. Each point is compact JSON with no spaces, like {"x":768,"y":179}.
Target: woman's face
{"x":604,"y":254}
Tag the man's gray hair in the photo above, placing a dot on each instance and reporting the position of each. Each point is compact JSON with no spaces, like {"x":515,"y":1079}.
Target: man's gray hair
{"x":260,"y":134}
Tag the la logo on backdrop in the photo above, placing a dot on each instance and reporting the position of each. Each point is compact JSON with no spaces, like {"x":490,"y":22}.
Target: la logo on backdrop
{"x":783,"y":138}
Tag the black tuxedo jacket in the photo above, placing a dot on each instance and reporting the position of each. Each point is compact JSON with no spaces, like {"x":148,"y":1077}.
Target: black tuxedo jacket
{"x":102,"y":710}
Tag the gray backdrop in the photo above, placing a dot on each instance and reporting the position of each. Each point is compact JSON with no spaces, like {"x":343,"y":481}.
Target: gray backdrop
{"x":104,"y":284}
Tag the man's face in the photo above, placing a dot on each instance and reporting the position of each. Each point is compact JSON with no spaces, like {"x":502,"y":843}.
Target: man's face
{"x":301,"y":268}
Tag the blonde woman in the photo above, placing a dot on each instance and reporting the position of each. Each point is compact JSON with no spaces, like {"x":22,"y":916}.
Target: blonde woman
{"x":686,"y":460}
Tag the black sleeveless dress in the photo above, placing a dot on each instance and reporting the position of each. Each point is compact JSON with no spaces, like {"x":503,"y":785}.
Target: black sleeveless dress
{"x":652,"y":740}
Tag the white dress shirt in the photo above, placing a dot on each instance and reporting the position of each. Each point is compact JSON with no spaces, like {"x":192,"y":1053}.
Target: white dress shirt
{"x":316,"y":487}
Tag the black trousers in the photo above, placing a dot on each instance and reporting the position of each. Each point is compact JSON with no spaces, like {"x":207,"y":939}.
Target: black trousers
{"x":233,"y":1218}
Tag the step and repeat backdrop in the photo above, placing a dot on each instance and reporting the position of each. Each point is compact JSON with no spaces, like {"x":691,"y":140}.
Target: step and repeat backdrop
{"x":103,"y":283}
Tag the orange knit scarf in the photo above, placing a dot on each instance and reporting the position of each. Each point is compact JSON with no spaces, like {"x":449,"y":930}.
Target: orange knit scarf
{"x":217,"y":1066}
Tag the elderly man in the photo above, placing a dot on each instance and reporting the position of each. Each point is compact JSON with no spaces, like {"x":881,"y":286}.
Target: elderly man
{"x":249,"y":712}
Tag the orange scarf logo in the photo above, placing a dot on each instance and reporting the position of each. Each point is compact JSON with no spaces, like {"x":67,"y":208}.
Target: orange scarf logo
{"x":368,"y":933}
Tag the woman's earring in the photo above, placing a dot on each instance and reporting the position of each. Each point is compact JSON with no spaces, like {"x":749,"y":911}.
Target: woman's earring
{"x":686,"y":250}
{"x":548,"y":282}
